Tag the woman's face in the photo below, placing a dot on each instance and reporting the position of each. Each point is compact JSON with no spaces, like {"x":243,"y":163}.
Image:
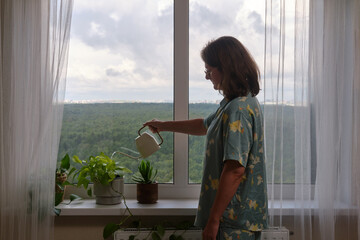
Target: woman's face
{"x":214,"y":75}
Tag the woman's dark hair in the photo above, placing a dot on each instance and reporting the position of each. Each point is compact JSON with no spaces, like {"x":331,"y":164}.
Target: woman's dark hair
{"x":240,"y":72}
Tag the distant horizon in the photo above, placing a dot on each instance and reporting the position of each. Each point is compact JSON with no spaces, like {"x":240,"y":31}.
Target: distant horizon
{"x":269,"y":102}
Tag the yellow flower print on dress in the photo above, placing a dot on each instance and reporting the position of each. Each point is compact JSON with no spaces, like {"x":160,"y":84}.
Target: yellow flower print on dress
{"x":250,"y":234}
{"x":242,"y":99}
{"x":251,"y":112}
{"x":232,"y":215}
{"x":256,"y":160}
{"x":206,"y":187}
{"x":255,"y":137}
{"x":251,"y":168}
{"x":257,"y":112}
{"x":238,"y":232}
{"x":227,"y":237}
{"x":253,"y":204}
{"x":214,"y":183}
{"x":236,"y":126}
{"x":261,"y":149}
{"x":252,"y":227}
{"x":243,"y":178}
{"x":225,"y":117}
{"x":260,"y":180}
{"x":208,"y":152}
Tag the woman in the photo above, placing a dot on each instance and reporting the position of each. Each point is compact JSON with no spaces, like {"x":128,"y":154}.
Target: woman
{"x":233,"y":199}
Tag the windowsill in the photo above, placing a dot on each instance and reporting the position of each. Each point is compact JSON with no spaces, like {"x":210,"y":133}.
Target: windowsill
{"x":172,"y":207}
{"x":164,"y":207}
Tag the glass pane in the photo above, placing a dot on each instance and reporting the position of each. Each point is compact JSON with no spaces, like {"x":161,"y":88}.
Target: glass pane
{"x":210,"y":20}
{"x":120,"y":75}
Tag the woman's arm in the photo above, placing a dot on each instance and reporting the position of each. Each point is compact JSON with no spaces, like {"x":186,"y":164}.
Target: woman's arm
{"x":192,"y":127}
{"x":229,"y":181}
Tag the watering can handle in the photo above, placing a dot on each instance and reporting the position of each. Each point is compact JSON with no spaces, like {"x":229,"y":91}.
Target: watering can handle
{"x":162,"y":140}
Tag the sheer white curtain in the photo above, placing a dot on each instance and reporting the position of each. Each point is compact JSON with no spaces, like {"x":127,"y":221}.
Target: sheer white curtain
{"x":33,"y":58}
{"x":311,"y":84}
{"x":334,"y":77}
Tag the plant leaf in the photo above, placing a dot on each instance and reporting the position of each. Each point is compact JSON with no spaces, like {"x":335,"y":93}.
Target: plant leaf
{"x":57,"y":211}
{"x":60,"y":186}
{"x":74,"y":197}
{"x":160,"y":230}
{"x":131,"y":237}
{"x":67,"y":183}
{"x":172,"y":237}
{"x":77,"y":160}
{"x":155,"y":236}
{"x":89,"y":192}
{"x":58,"y":198}
{"x":109,"y":229}
{"x":71,"y":171}
{"x":65,"y":162}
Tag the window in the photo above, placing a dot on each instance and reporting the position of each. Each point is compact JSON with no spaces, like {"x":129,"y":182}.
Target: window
{"x":120,"y":75}
{"x":131,"y":61}
{"x":210,"y":20}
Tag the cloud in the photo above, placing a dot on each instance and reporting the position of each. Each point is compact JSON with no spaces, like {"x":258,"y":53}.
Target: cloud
{"x":124,"y":49}
{"x":112,"y":72}
{"x":257,"y":22}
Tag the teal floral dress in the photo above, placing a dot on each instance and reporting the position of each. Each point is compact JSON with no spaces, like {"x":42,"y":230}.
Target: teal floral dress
{"x":235,"y":132}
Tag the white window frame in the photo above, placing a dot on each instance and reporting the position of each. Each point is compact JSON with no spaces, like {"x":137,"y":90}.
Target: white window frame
{"x":180,"y":188}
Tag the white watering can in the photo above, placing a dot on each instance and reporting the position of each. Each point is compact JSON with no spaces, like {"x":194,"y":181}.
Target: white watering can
{"x":146,"y":145}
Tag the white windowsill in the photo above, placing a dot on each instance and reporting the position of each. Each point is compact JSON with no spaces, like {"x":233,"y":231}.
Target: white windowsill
{"x":171,"y":207}
{"x":164,"y":207}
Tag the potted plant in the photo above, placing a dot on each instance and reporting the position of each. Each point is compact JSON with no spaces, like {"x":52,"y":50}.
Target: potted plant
{"x":107,"y":176}
{"x":146,"y":187}
{"x":61,"y":175}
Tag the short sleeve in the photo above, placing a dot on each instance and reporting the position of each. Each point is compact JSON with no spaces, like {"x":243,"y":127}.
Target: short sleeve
{"x":208,"y":120}
{"x":237,"y":136}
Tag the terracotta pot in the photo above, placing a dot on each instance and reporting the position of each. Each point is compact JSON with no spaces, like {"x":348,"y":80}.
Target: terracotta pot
{"x":147,"y":193}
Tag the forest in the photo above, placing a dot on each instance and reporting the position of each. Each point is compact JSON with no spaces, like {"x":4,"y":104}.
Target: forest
{"x":89,"y":129}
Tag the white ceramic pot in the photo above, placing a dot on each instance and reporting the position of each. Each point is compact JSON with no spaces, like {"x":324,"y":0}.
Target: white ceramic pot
{"x":109,"y":194}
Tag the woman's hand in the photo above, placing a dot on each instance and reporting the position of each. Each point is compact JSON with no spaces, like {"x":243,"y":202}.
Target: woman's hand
{"x":211,"y":230}
{"x":154,"y":125}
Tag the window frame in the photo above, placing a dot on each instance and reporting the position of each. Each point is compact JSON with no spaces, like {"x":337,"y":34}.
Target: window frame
{"x":180,"y":188}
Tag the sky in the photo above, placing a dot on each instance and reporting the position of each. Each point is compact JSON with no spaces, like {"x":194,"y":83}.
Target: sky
{"x":123,"y":50}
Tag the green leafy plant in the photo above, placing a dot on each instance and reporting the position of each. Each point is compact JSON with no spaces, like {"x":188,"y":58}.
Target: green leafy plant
{"x":101,"y":169}
{"x":61,"y":175}
{"x":146,"y":174}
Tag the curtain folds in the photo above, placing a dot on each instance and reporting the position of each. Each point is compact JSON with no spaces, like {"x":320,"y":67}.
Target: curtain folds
{"x":34,"y":47}
{"x":312,"y":87}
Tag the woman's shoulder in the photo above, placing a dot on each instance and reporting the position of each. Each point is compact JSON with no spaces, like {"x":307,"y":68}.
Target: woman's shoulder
{"x":247,"y":107}
{"x":241,"y":103}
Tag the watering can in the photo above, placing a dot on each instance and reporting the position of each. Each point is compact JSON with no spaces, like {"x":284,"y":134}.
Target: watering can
{"x":146,"y":145}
